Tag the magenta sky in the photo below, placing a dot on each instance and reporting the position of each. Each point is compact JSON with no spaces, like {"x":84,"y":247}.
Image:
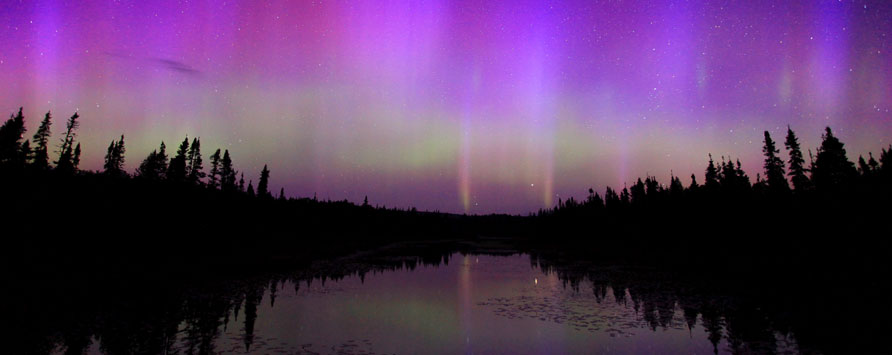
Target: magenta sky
{"x":459,"y":106}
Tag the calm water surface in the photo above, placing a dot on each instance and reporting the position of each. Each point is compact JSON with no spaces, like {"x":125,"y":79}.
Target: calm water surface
{"x":470,"y":304}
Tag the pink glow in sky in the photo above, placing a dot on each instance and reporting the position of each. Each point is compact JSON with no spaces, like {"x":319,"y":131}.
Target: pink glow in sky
{"x":459,"y":106}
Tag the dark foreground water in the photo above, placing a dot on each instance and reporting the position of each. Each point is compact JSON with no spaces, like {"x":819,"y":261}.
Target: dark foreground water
{"x":448,"y":304}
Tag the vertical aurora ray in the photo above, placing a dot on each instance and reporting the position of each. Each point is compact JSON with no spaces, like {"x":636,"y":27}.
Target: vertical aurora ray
{"x":464,"y":167}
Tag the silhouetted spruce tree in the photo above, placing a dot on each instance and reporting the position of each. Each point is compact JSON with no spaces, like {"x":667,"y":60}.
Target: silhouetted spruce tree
{"x":65,"y":163}
{"x":732,"y":178}
{"x":154,"y":167}
{"x":119,"y":154}
{"x":251,"y":188}
{"x":195,"y":164}
{"x":263,"y":185}
{"x":214,"y":176}
{"x":11,"y":133}
{"x":241,"y":182}
{"x":611,"y":199}
{"x":797,"y":163}
{"x":774,"y":167}
{"x":365,"y":202}
{"x":651,"y":186}
{"x":885,"y":165}
{"x":833,"y":170}
{"x":227,"y":173}
{"x":41,"y":157}
{"x":712,"y":176}
{"x":676,"y":189}
{"x":176,"y":170}
{"x":742,"y":178}
{"x":114,"y":158}
{"x":638,"y":193}
{"x":726,"y":173}
{"x":282,"y":194}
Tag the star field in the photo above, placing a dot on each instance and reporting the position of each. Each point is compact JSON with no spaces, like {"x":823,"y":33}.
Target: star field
{"x":458,"y":106}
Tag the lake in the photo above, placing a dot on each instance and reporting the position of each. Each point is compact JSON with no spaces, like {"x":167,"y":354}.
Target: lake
{"x":451,"y":303}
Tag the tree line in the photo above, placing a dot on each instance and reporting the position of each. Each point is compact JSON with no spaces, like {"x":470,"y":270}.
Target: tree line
{"x":17,"y":152}
{"x":185,"y":167}
{"x":828,"y":173}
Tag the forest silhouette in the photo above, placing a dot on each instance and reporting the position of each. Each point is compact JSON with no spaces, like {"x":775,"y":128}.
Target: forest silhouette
{"x":213,"y":212}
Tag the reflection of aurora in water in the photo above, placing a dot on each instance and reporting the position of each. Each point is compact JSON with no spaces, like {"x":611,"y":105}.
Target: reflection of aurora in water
{"x":462,"y":303}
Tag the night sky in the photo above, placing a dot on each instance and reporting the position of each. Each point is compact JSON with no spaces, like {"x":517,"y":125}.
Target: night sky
{"x":458,"y":106}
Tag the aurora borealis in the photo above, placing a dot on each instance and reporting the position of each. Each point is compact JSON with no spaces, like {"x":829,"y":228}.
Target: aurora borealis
{"x":458,"y":106}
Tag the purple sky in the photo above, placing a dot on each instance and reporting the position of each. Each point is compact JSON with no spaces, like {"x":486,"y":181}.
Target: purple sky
{"x":459,"y":106}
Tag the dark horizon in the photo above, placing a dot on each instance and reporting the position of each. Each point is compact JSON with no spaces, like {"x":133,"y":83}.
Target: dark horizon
{"x":870,"y":162}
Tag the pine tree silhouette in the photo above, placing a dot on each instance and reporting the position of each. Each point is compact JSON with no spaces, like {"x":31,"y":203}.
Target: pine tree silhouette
{"x":109,"y":157}
{"x":742,"y":179}
{"x":885,"y":167}
{"x":638,"y":192}
{"x":774,"y":167}
{"x":797,"y":163}
{"x":611,"y":199}
{"x":652,"y":187}
{"x":176,"y":170}
{"x":66,"y":153}
{"x":676,"y":189}
{"x":214,"y":176}
{"x":732,"y":179}
{"x":727,"y":174}
{"x":195,"y":164}
{"x":114,"y":158}
{"x":832,"y":169}
{"x":154,"y":167}
{"x":251,"y":188}
{"x":10,"y":140}
{"x":712,"y":176}
{"x":41,"y":158}
{"x":263,"y":185}
{"x":227,"y":173}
